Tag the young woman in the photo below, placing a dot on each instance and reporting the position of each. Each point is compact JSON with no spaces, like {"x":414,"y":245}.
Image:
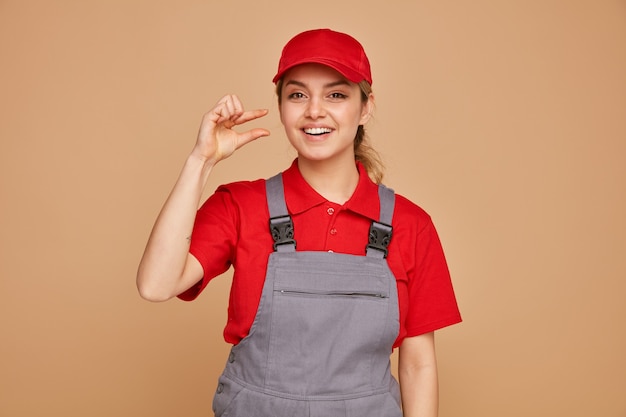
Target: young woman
{"x":332,"y":270}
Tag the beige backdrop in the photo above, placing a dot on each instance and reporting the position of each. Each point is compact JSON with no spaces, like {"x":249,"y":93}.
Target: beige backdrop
{"x":505,"y":120}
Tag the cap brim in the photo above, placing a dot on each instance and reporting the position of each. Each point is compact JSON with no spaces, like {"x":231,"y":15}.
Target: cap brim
{"x":349,"y":74}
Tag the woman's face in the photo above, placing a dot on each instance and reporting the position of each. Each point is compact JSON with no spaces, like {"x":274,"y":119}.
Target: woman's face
{"x":321,"y":112}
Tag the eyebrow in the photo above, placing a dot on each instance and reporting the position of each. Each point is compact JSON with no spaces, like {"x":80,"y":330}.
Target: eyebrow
{"x":329,"y":85}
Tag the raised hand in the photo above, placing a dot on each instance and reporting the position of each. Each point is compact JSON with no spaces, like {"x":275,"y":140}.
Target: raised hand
{"x":216,"y":139}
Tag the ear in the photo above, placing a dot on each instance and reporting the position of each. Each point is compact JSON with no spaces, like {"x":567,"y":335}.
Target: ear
{"x":366,"y":111}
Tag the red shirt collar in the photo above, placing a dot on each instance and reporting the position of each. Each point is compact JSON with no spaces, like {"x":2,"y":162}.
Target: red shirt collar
{"x":300,"y":196}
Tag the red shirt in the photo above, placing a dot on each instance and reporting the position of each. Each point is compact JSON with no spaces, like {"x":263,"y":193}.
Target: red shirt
{"x":231,"y":228}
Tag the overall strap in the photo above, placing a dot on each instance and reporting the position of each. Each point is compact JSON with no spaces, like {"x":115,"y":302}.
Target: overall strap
{"x":280,"y":223}
{"x":380,"y":231}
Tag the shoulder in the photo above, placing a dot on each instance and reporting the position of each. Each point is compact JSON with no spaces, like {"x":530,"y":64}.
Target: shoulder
{"x":243,"y":187}
{"x":233,"y":200}
{"x":243,"y":192}
{"x":407,"y":214}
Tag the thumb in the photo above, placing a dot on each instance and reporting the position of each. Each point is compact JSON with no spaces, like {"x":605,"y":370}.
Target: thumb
{"x":250,"y":135}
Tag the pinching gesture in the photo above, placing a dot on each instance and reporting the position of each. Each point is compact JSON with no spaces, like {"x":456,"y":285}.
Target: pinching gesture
{"x":216,"y":139}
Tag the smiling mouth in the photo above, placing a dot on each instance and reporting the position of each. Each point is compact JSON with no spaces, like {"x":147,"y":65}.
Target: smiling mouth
{"x":315,"y":131}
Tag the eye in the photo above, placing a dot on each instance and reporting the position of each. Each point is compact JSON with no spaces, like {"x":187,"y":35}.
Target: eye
{"x":337,"y":96}
{"x":296,"y":96}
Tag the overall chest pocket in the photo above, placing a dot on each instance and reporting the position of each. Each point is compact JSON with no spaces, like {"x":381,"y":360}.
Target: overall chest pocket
{"x":324,"y":341}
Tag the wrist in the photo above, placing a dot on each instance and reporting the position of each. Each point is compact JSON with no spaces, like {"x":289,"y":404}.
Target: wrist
{"x":198,"y":160}
{"x":196,"y":171}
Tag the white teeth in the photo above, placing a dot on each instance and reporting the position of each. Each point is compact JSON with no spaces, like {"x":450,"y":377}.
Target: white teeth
{"x":317,"y":130}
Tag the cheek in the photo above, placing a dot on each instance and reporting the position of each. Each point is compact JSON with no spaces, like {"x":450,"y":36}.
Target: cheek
{"x":289,"y":119}
{"x":286,"y":117}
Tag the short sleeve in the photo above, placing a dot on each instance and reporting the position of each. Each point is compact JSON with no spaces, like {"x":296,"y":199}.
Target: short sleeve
{"x":432,"y":302}
{"x":213,"y":239}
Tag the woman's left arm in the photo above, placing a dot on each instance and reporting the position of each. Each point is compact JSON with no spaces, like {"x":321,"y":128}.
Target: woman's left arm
{"x":417,"y":371}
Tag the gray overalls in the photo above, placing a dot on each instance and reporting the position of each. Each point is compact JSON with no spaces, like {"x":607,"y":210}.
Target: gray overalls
{"x":320,"y":342}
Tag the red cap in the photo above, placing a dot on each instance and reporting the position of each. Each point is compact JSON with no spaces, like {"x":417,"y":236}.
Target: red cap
{"x":324,"y":46}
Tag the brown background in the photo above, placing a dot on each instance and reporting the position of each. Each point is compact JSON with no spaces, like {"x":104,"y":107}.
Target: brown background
{"x":505,"y":120}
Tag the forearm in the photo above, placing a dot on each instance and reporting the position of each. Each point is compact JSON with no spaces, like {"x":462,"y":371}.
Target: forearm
{"x":417,"y":371}
{"x":420,"y":394}
{"x":161,"y":270}
{"x":166,"y":268}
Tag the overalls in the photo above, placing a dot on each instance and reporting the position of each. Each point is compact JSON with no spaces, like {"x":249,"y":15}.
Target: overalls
{"x":321,"y":339}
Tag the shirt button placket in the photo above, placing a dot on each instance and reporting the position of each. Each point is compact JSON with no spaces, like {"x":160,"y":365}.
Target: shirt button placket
{"x":333,"y":231}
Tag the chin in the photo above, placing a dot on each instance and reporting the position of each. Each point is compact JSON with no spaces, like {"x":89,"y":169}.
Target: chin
{"x":313,"y":157}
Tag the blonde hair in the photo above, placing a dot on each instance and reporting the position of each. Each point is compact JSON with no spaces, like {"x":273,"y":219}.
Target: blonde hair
{"x":363,"y":151}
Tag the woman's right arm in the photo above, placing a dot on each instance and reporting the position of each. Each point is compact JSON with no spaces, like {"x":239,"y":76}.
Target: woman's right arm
{"x":166,"y":268}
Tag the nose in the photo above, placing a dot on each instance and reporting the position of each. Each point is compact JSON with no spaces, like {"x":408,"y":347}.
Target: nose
{"x":315,"y":108}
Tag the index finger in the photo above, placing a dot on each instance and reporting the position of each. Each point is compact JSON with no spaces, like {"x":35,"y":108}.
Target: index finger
{"x":250,"y":115}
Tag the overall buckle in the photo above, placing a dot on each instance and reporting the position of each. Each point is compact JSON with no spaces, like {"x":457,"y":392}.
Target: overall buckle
{"x":281,"y":228}
{"x":379,"y":237}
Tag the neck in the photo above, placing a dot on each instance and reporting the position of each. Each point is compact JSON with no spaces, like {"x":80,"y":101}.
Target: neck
{"x":335,"y":182}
